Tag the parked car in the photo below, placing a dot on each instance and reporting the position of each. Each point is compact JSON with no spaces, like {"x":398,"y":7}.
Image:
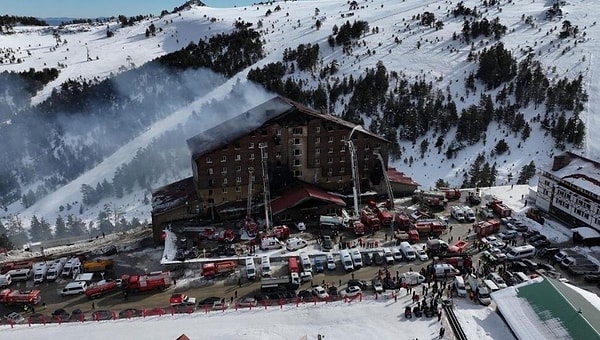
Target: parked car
{"x":508,"y":235}
{"x":332,"y":291}
{"x":421,"y":254}
{"x":305,"y":294}
{"x":220,"y":305}
{"x":495,"y":242}
{"x":77,"y":315}
{"x":541,"y":243}
{"x":208,"y":302}
{"x":520,"y":227}
{"x":331,"y":262}
{"x":378,"y":258}
{"x":130,"y":313}
{"x":14,"y":317}
{"x":547,"y":252}
{"x":102,"y":315}
{"x":350,"y":291}
{"x":60,"y":313}
{"x":546,"y":267}
{"x":320,"y":292}
{"x":530,"y":233}
{"x":378,"y":286}
{"x":367,"y":259}
{"x":362,"y":284}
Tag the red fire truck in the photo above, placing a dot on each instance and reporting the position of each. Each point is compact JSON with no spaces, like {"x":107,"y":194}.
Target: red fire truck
{"x":147,"y":282}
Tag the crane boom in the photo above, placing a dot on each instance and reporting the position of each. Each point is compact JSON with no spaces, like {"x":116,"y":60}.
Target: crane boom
{"x":388,"y":185}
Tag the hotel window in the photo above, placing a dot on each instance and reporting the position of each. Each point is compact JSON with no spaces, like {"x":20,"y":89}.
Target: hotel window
{"x":224,"y":170}
{"x":318,"y":129}
{"x":224,"y":191}
{"x":251,"y":156}
{"x":342,"y":159}
{"x":330,"y":160}
{"x":366,"y":157}
{"x":297,"y":162}
{"x":343,"y":148}
{"x":318,"y":151}
{"x":238,"y":179}
{"x":278,"y":132}
{"x":297,"y":152}
{"x":297,"y":173}
{"x":297,"y":141}
{"x":210,"y":171}
{"x":238,"y":168}
{"x":342,"y":170}
{"x":238,"y":189}
{"x":297,"y":131}
{"x":225,"y":181}
{"x":236,"y":146}
{"x":251,"y":146}
{"x":278,"y":154}
{"x":367,"y":147}
{"x":330,"y":150}
{"x":343,"y":139}
{"x":329,"y":128}
{"x":318,"y":140}
{"x":211,"y":183}
{"x":223,"y":159}
{"x":317,"y":162}
{"x":329,"y":171}
{"x":330,"y":139}
{"x":208,"y":160}
{"x":238,"y":157}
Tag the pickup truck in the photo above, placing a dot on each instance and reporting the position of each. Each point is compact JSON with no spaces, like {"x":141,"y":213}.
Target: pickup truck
{"x":180,"y":298}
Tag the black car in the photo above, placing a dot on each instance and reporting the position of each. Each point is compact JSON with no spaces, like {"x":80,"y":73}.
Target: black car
{"x":77,"y":315}
{"x":540,"y":243}
{"x":519,"y":266}
{"x":547,"y":252}
{"x":37,"y":318}
{"x":367,"y":260}
{"x":518,"y":226}
{"x":102,"y":315}
{"x":60,"y":314}
{"x":546,"y":267}
{"x":531,"y":266}
{"x":208,"y":302}
{"x":378,"y":259}
{"x":536,"y":238}
{"x":305,"y":294}
{"x":530,"y":233}
{"x":362,"y":284}
{"x":332,"y":291}
{"x":592,"y":278}
{"x":130,"y":313}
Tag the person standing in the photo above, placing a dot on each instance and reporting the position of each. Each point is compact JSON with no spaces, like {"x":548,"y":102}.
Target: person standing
{"x":93,"y":305}
{"x":442,"y":332}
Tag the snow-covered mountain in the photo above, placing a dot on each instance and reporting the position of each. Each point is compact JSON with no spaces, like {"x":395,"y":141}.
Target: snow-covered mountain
{"x":398,"y":38}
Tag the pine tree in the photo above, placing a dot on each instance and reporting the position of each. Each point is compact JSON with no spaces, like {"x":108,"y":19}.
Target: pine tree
{"x":60,"y":229}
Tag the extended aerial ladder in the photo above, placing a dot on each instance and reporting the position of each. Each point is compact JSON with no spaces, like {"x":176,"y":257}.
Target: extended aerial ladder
{"x":267,"y":192}
{"x":386,"y":179}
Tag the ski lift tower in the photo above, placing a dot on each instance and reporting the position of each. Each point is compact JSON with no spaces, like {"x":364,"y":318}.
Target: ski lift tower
{"x":267,"y":193}
{"x":354,"y":166}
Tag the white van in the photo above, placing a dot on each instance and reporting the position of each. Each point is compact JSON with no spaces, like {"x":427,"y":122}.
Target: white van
{"x":265,"y":266}
{"x":270,"y":243}
{"x":459,"y":286}
{"x":5,"y":280}
{"x":491,"y":286}
{"x":250,"y":269}
{"x":412,"y":278}
{"x":295,"y":243}
{"x":521,"y":277}
{"x":356,"y":258}
{"x":40,"y":270}
{"x":74,"y":288}
{"x":458,"y":214}
{"x":23,"y":274}
{"x":305,"y":262}
{"x":330,"y":262}
{"x":408,"y":251}
{"x":445,"y":270}
{"x":469,"y":214}
{"x":521,"y":252}
{"x":71,"y":268}
{"x":346,"y":260}
{"x":388,"y":256}
{"x":397,"y":254}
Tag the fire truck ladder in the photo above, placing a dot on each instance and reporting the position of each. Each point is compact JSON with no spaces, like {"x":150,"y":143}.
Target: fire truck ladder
{"x":250,"y":189}
{"x":388,"y":186}
{"x":267,"y":193}
{"x":355,"y":179}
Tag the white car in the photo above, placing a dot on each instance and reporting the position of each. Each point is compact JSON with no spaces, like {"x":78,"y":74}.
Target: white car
{"x":330,"y":262}
{"x":301,"y":226}
{"x":295,"y":243}
{"x":378,"y":287}
{"x":351,"y":291}
{"x":320,"y":292}
{"x":495,"y":242}
{"x":421,"y":254}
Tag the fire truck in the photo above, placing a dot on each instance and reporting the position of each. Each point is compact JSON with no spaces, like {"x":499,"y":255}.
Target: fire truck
{"x":500,"y":208}
{"x":99,"y":265}
{"x":461,"y":262}
{"x":211,"y":269}
{"x":384,"y":215}
{"x":451,"y":193}
{"x":10,"y":297}
{"x":412,"y":236}
{"x":429,"y":228}
{"x":485,"y":228}
{"x":100,"y":288}
{"x":357,"y":228}
{"x":403,"y":222}
{"x":370,"y":220}
{"x":146,"y":282}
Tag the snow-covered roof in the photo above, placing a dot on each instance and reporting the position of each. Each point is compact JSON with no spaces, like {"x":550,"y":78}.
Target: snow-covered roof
{"x":586,"y":232}
{"x":577,"y":170}
{"x":251,"y":120}
{"x":545,"y":308}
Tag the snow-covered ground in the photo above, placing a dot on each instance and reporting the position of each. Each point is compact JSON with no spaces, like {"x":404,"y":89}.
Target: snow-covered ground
{"x":370,"y":318}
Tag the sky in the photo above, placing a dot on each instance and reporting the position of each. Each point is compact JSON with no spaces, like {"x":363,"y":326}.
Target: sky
{"x":105,"y":8}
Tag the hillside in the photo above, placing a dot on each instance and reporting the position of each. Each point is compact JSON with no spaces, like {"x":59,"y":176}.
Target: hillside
{"x":412,"y":72}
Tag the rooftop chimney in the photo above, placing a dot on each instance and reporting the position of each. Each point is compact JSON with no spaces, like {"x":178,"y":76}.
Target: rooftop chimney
{"x":561,"y":161}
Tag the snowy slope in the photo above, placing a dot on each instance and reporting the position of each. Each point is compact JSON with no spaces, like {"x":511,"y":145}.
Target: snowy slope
{"x":423,"y":52}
